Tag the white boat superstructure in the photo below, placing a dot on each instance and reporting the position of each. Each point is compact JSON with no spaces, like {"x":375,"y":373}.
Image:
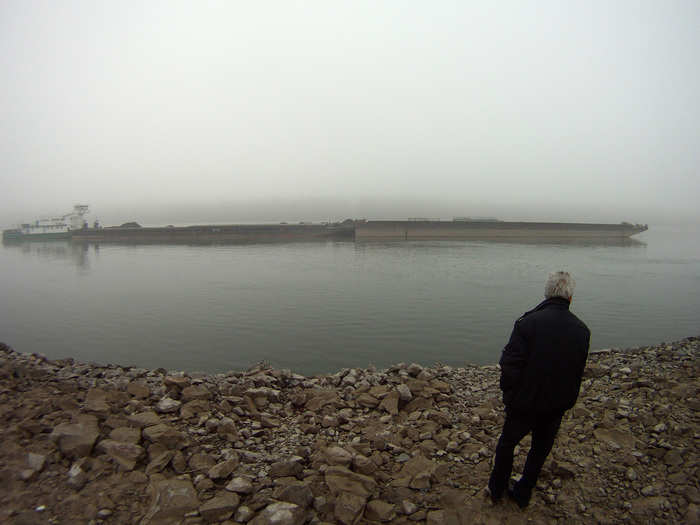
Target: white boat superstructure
{"x":53,"y":228}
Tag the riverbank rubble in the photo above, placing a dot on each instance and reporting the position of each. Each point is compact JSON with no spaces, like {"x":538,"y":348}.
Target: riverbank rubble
{"x":84,"y":443}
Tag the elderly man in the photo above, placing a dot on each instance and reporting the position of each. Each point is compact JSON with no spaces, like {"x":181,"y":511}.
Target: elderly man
{"x":541,"y":370}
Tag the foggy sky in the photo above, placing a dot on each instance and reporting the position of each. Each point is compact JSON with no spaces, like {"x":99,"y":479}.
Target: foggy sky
{"x":191,"y":112}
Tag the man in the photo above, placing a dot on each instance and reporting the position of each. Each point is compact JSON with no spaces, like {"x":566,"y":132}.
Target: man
{"x":541,"y":370}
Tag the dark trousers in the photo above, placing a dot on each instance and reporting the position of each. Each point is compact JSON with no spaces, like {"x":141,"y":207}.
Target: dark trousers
{"x":516,"y":426}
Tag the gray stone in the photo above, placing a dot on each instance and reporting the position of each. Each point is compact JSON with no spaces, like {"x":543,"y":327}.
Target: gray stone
{"x":164,"y":435}
{"x":337,"y":456}
{"x":36,"y":462}
{"x":224,"y":469}
{"x":290,"y":467}
{"x":76,"y":476}
{"x":126,"y":435}
{"x":171,"y":499}
{"x":219,"y":508}
{"x":348,"y":508}
{"x":168,"y":406}
{"x":244,"y":514}
{"x":159,"y":462}
{"x":201,"y":462}
{"x":378,"y":510}
{"x":240,"y":485}
{"x":404,"y":392}
{"x":195,"y":392}
{"x":298,"y":493}
{"x":340,"y":479}
{"x":144,"y":419}
{"x":280,"y":513}
{"x":125,"y":455}
{"x":75,"y":440}
{"x":408,"y":507}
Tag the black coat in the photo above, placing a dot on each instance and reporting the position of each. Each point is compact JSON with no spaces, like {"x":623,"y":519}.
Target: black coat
{"x":542,"y":364}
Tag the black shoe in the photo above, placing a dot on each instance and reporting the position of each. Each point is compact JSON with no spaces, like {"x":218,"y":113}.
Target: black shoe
{"x":522,"y":500}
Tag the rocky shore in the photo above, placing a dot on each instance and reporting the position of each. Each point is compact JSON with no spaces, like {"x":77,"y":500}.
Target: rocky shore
{"x":84,"y":443}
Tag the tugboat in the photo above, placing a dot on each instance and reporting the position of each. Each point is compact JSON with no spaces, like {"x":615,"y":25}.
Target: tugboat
{"x":49,"y":229}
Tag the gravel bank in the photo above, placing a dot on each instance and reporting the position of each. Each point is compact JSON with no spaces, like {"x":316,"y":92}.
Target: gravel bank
{"x":84,"y":443}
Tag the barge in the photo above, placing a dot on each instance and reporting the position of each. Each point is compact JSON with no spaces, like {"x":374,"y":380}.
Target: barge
{"x":72,"y":226}
{"x":492,"y":229}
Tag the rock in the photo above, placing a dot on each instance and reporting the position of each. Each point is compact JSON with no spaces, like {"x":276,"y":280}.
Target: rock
{"x":563,"y":470}
{"x":240,"y":485}
{"x":418,"y":403}
{"x":75,"y":440}
{"x":177,"y":381}
{"x":159,"y":462}
{"x":673,"y":458}
{"x":390,"y":403}
{"x":329,"y":422}
{"x":378,"y":510}
{"x":414,"y":369}
{"x":224,"y":469}
{"x":416,"y":473}
{"x":363,"y":465}
{"x":367,"y":400}
{"x":340,"y":479}
{"x":195,"y":408}
{"x":179,"y":463}
{"x":337,"y":456}
{"x":408,"y":507}
{"x":138,"y":389}
{"x":219,"y":508}
{"x":36,"y":462}
{"x":164,"y":435}
{"x":649,"y":490}
{"x":616,"y":438}
{"x":631,"y":474}
{"x":126,"y":435}
{"x":322,"y":398}
{"x":124,"y":454}
{"x":168,"y":406}
{"x":661,"y":427}
{"x":692,"y":515}
{"x":404,"y":392}
{"x":201,"y":462}
{"x":96,"y":402}
{"x":280,"y":513}
{"x":291,"y":467}
{"x":298,"y":493}
{"x":171,"y":500}
{"x":436,"y":517}
{"x":348,"y":508}
{"x":244,"y":514}
{"x":76,"y":476}
{"x":144,"y":419}
{"x":195,"y":392}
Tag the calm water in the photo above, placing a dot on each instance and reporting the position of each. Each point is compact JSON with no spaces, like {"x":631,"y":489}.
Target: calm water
{"x":324,"y":306}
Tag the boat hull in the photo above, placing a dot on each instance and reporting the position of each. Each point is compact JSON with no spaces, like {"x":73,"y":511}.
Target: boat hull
{"x":18,"y":236}
{"x":496,"y":230}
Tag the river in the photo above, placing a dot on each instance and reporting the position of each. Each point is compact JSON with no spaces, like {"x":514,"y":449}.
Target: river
{"x":320,"y":307}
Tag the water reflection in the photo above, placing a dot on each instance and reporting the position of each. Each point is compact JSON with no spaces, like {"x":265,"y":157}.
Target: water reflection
{"x":77,"y":254}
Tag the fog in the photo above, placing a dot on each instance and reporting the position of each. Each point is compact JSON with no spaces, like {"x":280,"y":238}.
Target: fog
{"x":191,"y":112}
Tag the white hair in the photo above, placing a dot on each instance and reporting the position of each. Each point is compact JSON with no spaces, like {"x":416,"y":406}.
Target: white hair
{"x":559,"y":284}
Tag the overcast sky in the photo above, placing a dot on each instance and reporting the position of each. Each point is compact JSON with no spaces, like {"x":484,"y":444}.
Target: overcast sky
{"x":200,"y":111}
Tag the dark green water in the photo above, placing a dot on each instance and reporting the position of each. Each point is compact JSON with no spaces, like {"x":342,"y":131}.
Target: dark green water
{"x":318,"y":307}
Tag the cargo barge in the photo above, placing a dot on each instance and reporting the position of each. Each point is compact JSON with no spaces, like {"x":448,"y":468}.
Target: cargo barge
{"x":421,"y":230}
{"x":73,"y":227}
{"x":217,"y":233}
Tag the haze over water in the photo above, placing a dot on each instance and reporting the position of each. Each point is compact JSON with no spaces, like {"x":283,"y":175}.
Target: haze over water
{"x":182,"y":112}
{"x":319,"y":307}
